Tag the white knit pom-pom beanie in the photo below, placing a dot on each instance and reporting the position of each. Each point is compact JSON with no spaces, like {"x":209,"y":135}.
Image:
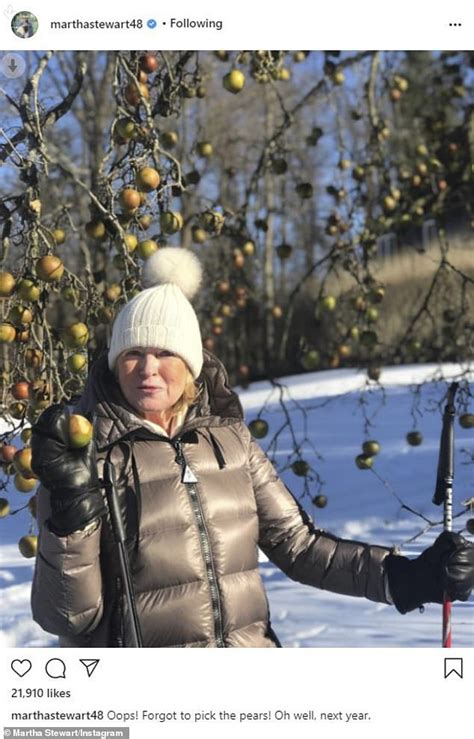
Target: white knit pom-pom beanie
{"x":161,"y":316}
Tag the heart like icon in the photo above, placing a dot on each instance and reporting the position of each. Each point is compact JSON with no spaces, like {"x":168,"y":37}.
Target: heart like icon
{"x":21,"y":666}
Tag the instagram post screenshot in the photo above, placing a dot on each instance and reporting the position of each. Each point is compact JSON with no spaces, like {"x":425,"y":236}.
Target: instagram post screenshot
{"x":236,"y":370}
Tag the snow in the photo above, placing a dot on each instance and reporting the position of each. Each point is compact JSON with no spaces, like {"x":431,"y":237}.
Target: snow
{"x":331,"y":413}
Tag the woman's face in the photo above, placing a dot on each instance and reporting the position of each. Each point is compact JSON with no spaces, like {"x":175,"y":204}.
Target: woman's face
{"x":152,"y":380}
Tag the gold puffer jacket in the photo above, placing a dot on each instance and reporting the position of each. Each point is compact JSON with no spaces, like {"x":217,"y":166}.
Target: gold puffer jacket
{"x":193,"y":546}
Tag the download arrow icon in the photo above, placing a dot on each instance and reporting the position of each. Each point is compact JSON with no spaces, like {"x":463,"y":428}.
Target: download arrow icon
{"x":12,"y":65}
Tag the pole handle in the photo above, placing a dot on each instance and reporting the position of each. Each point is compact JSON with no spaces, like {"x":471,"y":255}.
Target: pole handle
{"x":445,"y":471}
{"x":110,"y":482}
{"x":444,"y":490}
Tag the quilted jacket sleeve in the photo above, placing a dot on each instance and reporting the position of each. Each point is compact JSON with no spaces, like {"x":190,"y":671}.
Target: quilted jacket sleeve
{"x":66,"y":597}
{"x":306,"y":554}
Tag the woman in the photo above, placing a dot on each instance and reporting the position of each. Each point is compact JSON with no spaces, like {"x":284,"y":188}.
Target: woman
{"x":197,"y":495}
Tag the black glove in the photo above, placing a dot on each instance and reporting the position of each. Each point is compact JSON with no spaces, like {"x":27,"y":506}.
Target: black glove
{"x":446,"y":566}
{"x":69,"y":474}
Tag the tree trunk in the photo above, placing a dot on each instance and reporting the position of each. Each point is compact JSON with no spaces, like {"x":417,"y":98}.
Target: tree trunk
{"x":269,"y":278}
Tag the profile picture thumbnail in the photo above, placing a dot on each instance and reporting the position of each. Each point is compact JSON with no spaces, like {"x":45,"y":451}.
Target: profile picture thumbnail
{"x":24,"y":24}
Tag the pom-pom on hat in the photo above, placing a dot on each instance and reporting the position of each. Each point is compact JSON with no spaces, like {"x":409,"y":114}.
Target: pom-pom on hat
{"x":161,"y":316}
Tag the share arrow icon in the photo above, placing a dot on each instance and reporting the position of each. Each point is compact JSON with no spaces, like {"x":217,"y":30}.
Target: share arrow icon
{"x":90,"y":665}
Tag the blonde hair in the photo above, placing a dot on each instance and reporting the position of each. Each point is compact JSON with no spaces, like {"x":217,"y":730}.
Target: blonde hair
{"x":189,"y":396}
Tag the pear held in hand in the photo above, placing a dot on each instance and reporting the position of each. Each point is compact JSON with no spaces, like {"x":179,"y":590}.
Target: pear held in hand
{"x":80,"y":431}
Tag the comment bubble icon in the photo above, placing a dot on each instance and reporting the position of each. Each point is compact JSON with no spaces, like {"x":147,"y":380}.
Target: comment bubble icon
{"x":55,"y":668}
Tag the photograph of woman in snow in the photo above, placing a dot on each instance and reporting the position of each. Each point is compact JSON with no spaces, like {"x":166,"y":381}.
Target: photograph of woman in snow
{"x":197,"y":495}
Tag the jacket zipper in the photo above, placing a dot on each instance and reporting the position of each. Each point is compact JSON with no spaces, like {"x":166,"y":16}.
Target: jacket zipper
{"x":205,"y":544}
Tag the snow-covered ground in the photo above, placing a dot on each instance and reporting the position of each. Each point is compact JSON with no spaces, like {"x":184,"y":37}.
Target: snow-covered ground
{"x":329,"y":412}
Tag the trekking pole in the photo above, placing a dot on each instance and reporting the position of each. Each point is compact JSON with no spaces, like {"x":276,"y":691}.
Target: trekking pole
{"x":119,"y":534}
{"x":444,"y":490}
